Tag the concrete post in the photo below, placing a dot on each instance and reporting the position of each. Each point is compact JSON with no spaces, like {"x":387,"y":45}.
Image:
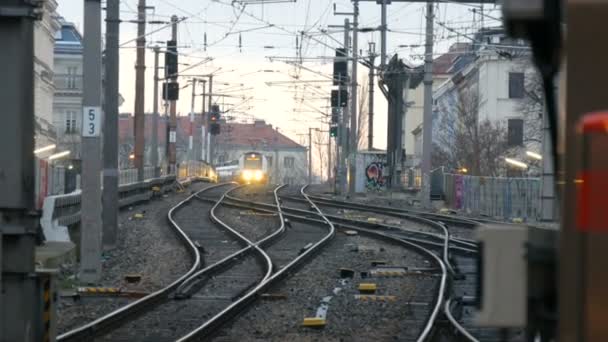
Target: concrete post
{"x":18,"y":226}
{"x":90,"y":253}
{"x":370,"y":101}
{"x":155,"y":114}
{"x":427,"y":123}
{"x":354,"y":109}
{"x":191,"y":137}
{"x":140,"y":71}
{"x":173,"y":111}
{"x":110,"y":137}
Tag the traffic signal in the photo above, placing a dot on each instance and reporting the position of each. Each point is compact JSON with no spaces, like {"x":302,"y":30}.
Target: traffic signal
{"x":335,"y":115}
{"x":340,"y":67}
{"x":333,"y":131}
{"x":171,"y":91}
{"x":171,"y":60}
{"x":339,"y":98}
{"x":214,"y":119}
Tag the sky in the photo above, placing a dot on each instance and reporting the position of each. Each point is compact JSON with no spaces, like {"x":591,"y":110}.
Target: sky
{"x":261,"y":67}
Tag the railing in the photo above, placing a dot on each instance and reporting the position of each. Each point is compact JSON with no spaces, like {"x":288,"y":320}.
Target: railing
{"x":127,"y":176}
{"x":62,"y":211}
{"x":496,"y":197}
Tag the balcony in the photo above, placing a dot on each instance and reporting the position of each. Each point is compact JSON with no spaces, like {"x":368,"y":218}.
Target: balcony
{"x":68,"y":84}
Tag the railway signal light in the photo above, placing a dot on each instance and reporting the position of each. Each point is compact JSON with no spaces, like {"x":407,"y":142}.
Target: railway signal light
{"x":335,"y":115}
{"x":171,"y":60}
{"x":333,"y":131}
{"x":339,"y":98}
{"x":340,"y":67}
{"x":214,"y":119}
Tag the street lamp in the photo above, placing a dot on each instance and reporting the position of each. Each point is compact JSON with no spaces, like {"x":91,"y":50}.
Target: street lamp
{"x":534,"y":155}
{"x":45,"y":149}
{"x":59,"y":155}
{"x":516,"y":163}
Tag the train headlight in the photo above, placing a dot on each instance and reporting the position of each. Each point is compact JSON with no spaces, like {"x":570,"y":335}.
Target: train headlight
{"x":247,"y":175}
{"x":258,"y":175}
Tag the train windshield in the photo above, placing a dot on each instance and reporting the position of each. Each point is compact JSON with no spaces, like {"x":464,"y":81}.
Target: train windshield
{"x":253,"y":162}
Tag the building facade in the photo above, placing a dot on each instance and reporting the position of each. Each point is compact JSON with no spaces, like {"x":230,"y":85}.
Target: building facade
{"x":67,"y":103}
{"x":44,"y":89}
{"x":491,"y":80}
{"x":287,"y":160}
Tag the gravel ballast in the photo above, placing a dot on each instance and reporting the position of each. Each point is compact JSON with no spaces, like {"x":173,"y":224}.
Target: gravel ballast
{"x":147,"y":246}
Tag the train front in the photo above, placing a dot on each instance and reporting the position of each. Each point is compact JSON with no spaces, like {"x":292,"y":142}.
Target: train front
{"x":253,"y":169}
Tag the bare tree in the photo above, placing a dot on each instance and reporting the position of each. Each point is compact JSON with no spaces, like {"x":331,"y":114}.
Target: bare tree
{"x":363,"y":115}
{"x":320,"y":146}
{"x":533,"y":103}
{"x":464,"y":141}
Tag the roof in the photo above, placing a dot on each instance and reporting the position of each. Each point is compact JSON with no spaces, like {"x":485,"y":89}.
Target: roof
{"x":67,"y":39}
{"x":443,"y":63}
{"x":254,"y":135}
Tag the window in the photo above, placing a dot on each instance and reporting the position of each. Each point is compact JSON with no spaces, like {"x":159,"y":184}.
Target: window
{"x":515,"y":134}
{"x":70,"y":121}
{"x":269,"y":159}
{"x":516,"y":85}
{"x":288,"y":162}
{"x":71,"y":81}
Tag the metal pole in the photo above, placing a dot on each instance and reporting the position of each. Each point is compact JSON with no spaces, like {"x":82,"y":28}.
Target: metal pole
{"x":18,"y":226}
{"x":427,"y":124}
{"x":203,"y":121}
{"x":209,"y":136}
{"x":140,"y":73}
{"x":191,"y":137}
{"x":90,"y":234}
{"x":353,"y":144}
{"x":328,"y":159}
{"x":110,"y":138}
{"x":370,"y":101}
{"x":155,"y":114}
{"x":309,"y":155}
{"x":343,"y":130}
{"x":173,"y":111}
{"x":547,"y":180}
{"x":383,"y":29}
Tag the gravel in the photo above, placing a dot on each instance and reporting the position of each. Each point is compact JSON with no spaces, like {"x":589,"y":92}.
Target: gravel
{"x":348,"y":319}
{"x":142,"y":243}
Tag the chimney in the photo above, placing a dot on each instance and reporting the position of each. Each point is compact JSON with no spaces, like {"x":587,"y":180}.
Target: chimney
{"x":259,"y":123}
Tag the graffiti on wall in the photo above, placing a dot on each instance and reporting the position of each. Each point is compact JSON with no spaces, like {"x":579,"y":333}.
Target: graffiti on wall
{"x":374,"y":173}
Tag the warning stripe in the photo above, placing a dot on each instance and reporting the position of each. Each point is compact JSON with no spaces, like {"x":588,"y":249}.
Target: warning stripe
{"x":46,"y":315}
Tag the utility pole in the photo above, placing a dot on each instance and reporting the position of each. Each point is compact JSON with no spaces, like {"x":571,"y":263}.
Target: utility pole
{"x":310,"y":155}
{"x":203,"y":121}
{"x":191,"y":137}
{"x":90,"y":234}
{"x":352,"y":146}
{"x":329,"y":160}
{"x":18,"y":227}
{"x":370,"y":101}
{"x":110,"y":136}
{"x":209,"y":136}
{"x":173,"y":109}
{"x":140,"y":73}
{"x":343,"y":130}
{"x":155,"y":114}
{"x":383,"y":29}
{"x":427,"y":123}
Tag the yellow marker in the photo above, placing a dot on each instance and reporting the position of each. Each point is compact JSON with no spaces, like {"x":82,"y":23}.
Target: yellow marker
{"x":367,"y":287}
{"x":138,"y":216}
{"x":156,"y":188}
{"x":314,"y":322}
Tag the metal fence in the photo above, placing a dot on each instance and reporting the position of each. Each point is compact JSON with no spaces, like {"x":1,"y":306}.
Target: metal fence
{"x":496,"y":197}
{"x":127,"y":176}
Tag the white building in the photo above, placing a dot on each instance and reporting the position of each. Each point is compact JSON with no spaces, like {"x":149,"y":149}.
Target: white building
{"x":67,"y":104}
{"x":496,"y":69}
{"x":238,"y":138}
{"x":44,"y":33}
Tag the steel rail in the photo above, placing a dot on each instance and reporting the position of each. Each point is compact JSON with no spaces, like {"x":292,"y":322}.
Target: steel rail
{"x":184,"y":287}
{"x":456,"y":324}
{"x":337,"y":219}
{"x":428,"y":327}
{"x":210,"y":325}
{"x":120,"y":316}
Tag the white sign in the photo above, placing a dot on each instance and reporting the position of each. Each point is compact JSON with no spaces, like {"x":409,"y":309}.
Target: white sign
{"x":172,"y":137}
{"x":91,"y":121}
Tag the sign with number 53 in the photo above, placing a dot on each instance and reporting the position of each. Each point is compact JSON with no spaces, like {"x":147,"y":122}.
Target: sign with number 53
{"x":91,"y":121}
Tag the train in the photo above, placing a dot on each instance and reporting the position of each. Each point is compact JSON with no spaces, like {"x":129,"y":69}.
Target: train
{"x":250,"y":168}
